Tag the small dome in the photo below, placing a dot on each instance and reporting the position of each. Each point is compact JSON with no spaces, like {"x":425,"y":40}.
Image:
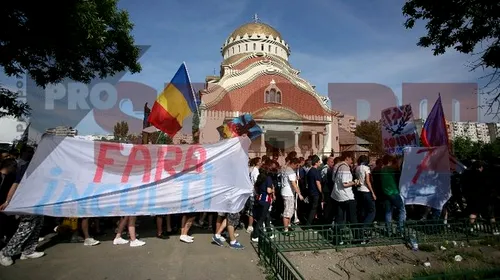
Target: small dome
{"x":257,"y":28}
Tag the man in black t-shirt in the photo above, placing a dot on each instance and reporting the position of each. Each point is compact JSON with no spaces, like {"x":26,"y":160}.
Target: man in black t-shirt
{"x":313,"y":179}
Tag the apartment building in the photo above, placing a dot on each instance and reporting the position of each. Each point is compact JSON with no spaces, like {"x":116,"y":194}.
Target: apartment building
{"x":347,"y":122}
{"x":419,"y":124}
{"x":62,"y":131}
{"x":471,"y":130}
{"x":475,"y":131}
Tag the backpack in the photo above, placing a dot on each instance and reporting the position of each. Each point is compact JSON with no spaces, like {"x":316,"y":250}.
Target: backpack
{"x":337,"y":171}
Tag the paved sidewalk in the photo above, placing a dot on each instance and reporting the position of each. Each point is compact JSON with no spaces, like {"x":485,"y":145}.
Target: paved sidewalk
{"x":158,"y":259}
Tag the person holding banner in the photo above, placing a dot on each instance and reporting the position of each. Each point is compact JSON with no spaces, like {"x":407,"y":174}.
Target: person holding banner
{"x":264,"y":189}
{"x":8,"y":224}
{"x":119,"y":240}
{"x":25,"y":240}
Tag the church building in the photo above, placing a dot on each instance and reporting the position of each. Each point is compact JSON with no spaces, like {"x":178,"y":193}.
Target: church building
{"x":257,"y":78}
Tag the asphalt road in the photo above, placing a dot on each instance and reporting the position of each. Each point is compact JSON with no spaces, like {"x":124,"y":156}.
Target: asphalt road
{"x":158,"y":259}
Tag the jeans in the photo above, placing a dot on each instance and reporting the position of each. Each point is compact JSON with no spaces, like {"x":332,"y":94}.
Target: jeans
{"x":395,"y":202}
{"x":314,"y":204}
{"x":367,"y":207}
{"x":345,"y":209}
{"x":261,"y":213}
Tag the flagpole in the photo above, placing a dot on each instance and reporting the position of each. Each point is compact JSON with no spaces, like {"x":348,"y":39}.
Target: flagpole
{"x":192,"y":90}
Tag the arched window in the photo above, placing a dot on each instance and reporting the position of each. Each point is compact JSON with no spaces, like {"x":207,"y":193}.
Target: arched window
{"x":232,"y":49}
{"x":272,"y":95}
{"x":269,"y":48}
{"x":246,"y":47}
{"x":276,"y":50}
{"x":239,"y":48}
{"x":254,"y":46}
{"x":262,"y":47}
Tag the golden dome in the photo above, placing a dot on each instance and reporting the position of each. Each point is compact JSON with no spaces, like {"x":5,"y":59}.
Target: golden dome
{"x":257,"y":28}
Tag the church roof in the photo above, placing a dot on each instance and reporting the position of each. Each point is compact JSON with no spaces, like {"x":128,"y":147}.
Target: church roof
{"x":356,"y":148}
{"x":348,"y":138}
{"x":255,"y":28}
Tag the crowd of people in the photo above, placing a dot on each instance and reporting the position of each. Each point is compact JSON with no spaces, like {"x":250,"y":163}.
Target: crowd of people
{"x":288,"y":191}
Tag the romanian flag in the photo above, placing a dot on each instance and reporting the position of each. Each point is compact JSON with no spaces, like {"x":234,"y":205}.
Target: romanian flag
{"x":434,"y":133}
{"x":174,"y":104}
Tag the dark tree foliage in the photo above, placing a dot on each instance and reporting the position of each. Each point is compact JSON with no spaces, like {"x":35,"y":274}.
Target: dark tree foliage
{"x":76,"y":39}
{"x":468,"y":26}
{"x":464,"y":149}
{"x":371,"y":131}
{"x":10,"y":106}
{"x":120,"y":131}
{"x":196,"y":128}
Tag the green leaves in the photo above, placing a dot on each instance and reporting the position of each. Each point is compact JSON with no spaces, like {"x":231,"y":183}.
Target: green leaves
{"x":458,"y":24}
{"x":371,"y":131}
{"x":120,"y":131}
{"x":79,"y":39}
{"x":10,"y":106}
{"x":465,"y":149}
{"x":468,"y":26}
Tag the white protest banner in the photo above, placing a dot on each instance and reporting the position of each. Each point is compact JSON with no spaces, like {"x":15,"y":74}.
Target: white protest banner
{"x":398,"y":129}
{"x":425,"y":178}
{"x":71,"y":177}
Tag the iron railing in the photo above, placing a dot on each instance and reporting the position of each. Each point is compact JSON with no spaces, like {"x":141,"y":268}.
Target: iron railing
{"x":321,"y":237}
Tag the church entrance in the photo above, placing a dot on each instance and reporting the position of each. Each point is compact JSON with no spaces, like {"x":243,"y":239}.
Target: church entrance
{"x":274,"y":145}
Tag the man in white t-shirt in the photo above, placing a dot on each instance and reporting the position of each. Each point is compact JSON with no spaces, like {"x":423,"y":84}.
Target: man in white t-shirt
{"x":366,"y":197}
{"x":288,"y":188}
{"x":342,"y":192}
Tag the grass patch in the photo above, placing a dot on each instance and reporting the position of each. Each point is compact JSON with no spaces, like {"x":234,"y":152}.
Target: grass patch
{"x":267,"y":270}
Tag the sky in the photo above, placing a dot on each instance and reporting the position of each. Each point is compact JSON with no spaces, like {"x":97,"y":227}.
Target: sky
{"x":331,"y":41}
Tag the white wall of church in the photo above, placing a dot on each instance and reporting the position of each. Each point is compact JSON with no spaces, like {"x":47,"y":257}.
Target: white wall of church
{"x":253,"y":47}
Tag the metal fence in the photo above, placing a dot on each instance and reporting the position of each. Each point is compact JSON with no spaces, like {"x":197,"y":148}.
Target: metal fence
{"x":321,"y":237}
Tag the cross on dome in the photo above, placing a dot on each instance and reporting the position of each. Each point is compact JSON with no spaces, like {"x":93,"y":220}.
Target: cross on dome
{"x":256,"y":18}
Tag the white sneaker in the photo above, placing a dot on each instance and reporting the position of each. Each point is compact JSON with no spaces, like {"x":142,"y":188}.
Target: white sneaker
{"x":34,"y":255}
{"x":222,"y":238}
{"x":41,"y":239}
{"x":249,"y":229}
{"x":256,"y":239}
{"x":272,"y":236}
{"x":120,"y":241}
{"x":5,"y":261}
{"x":137,"y":243}
{"x":236,"y":234}
{"x":186,"y":239}
{"x":90,"y":242}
